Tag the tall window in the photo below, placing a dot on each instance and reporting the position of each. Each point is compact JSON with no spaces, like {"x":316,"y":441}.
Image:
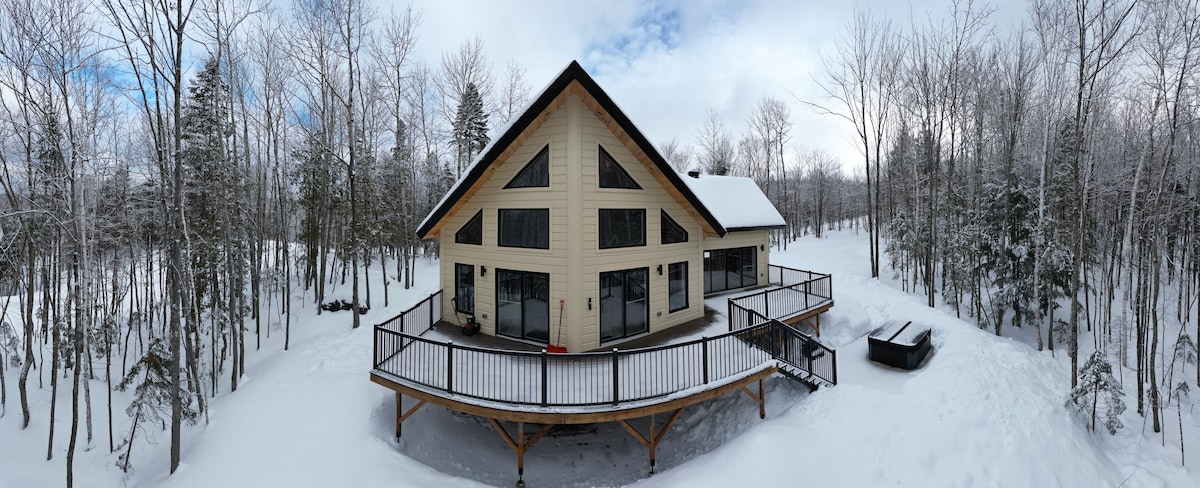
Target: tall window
{"x":672,"y":232}
{"x":536,"y":173}
{"x":524,"y":227}
{"x":612,"y":175}
{"x":464,"y":288}
{"x":621,"y":227}
{"x":677,"y":288}
{"x":472,"y":231}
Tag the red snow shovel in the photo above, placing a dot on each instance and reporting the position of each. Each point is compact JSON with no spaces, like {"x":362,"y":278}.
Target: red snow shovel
{"x":558,"y":334}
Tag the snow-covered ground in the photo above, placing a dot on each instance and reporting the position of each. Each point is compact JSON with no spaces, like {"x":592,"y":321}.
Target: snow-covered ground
{"x":983,"y":411}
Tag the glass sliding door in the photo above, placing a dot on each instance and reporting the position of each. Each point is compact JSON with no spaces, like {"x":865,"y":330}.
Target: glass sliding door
{"x":624,"y":303}
{"x":728,"y":269}
{"x":523,"y":305}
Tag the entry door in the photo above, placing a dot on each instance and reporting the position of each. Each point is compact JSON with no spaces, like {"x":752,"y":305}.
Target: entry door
{"x":624,"y":303}
{"x":523,"y":305}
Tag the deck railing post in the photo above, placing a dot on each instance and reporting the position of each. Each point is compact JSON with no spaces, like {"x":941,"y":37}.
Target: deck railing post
{"x":450,"y":367}
{"x":430,"y":304}
{"x":729,"y":313}
{"x":833,"y":356}
{"x":704,"y":354}
{"x":545,"y":373}
{"x":616,"y":377}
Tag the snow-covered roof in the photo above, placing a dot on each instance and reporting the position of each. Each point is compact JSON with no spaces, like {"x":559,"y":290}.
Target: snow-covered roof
{"x":736,"y":202}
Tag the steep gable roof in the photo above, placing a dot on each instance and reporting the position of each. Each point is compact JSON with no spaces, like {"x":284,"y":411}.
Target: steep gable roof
{"x":572,"y":80}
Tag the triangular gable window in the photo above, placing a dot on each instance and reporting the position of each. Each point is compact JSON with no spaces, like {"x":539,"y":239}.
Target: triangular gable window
{"x":535,"y":174}
{"x":612,"y":175}
{"x":472,"y":231}
{"x":672,"y":232}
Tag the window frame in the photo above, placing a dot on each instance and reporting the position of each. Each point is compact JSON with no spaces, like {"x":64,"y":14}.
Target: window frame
{"x":529,"y":168}
{"x":476,"y":219}
{"x":621,"y":172}
{"x":603,"y":231}
{"x":671,"y":281}
{"x":458,"y":282}
{"x":500,"y":228}
{"x":664,"y":220}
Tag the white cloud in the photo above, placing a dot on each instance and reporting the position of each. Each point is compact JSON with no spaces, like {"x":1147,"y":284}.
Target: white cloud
{"x":666,"y":63}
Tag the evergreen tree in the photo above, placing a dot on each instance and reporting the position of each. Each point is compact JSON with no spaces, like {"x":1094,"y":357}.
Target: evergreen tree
{"x":470,"y":126}
{"x":152,"y":395}
{"x":1097,"y":385}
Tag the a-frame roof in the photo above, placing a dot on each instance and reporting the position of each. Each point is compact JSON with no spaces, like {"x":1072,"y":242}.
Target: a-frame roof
{"x":572,"y":80}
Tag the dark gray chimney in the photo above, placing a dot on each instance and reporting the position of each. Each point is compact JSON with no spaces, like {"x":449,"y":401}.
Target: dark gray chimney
{"x":694,"y":173}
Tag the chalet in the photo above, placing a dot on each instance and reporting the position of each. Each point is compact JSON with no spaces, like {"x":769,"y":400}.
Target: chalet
{"x":570,"y":229}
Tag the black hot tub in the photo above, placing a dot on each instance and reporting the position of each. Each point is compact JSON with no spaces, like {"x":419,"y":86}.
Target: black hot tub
{"x":901,"y":345}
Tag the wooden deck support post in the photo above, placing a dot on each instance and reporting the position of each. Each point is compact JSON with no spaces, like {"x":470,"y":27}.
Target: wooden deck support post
{"x":760,"y":399}
{"x":520,"y":445}
{"x":401,"y":415}
{"x":651,"y":441}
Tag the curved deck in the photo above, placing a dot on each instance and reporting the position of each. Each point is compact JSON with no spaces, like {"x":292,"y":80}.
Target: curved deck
{"x":574,"y":415}
{"x":529,"y":387}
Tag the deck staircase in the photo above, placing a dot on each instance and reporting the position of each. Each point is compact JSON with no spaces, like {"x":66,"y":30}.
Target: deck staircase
{"x":771,"y":318}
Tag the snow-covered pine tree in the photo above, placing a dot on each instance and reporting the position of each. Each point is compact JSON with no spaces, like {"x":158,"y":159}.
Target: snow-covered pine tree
{"x":470,"y":125}
{"x":152,"y":395}
{"x":1097,"y":385}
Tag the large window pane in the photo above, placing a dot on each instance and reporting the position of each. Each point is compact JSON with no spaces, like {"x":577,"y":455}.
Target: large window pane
{"x":612,"y":175}
{"x":464,"y":288}
{"x":727,"y":269}
{"x":537,"y":307}
{"x":677,"y":287}
{"x":472,"y":231}
{"x":621,"y":227}
{"x":523,"y":305}
{"x":671,"y":231}
{"x":535,"y":174}
{"x":524,"y":227}
{"x":624,"y":303}
{"x":508,"y":303}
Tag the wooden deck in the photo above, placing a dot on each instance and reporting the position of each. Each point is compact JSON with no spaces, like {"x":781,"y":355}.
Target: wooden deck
{"x":506,"y":381}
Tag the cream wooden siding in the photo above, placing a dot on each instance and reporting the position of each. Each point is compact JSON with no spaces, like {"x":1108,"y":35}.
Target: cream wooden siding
{"x":652,"y":198}
{"x":491,"y":197}
{"x":758,"y":239}
{"x":574,"y":260}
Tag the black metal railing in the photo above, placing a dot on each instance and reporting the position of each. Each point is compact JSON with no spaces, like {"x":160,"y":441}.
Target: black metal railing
{"x":788,"y":345}
{"x":808,"y":291}
{"x":578,"y":379}
{"x":755,"y":340}
{"x":417,"y":320}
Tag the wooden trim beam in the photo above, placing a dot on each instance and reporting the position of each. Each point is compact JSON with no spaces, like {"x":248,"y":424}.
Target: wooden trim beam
{"x":651,"y":441}
{"x":401,"y":415}
{"x":521,"y":444}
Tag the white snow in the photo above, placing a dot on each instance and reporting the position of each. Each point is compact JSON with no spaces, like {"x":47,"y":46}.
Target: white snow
{"x":736,"y":202}
{"x":983,"y":411}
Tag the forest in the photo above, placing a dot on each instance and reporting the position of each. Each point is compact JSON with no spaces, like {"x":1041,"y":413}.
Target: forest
{"x":175,"y":172}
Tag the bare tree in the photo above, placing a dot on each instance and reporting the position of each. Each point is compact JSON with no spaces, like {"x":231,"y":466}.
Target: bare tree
{"x":677,"y":155}
{"x":717,"y":153}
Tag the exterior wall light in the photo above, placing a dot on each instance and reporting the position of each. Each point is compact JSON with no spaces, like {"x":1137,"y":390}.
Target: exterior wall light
{"x":660,"y":270}
{"x":483,"y":271}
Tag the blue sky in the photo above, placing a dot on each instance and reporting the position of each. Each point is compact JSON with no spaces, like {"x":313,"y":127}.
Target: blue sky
{"x":668,"y":62}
